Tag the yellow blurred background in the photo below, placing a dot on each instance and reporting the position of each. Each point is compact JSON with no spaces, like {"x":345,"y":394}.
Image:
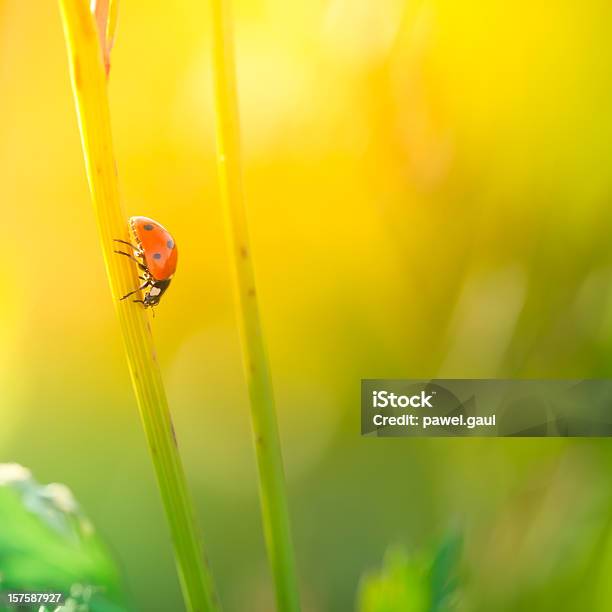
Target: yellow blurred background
{"x":429,"y":194}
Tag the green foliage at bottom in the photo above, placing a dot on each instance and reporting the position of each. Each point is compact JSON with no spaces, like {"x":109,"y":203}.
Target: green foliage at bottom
{"x":47,"y":544}
{"x":413,"y":583}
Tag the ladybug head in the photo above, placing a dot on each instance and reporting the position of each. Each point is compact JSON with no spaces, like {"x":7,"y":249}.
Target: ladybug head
{"x":154,"y":294}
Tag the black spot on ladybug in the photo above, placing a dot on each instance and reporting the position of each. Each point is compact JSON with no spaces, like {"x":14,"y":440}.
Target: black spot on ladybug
{"x":148,"y":227}
{"x":156,"y":255}
{"x":170,"y":244}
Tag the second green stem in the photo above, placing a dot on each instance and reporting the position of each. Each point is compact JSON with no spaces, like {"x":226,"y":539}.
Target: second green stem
{"x":275,"y":513}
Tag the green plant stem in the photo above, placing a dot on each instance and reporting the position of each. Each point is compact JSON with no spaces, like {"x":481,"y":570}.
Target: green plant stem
{"x":90,"y":93}
{"x":275,"y":514}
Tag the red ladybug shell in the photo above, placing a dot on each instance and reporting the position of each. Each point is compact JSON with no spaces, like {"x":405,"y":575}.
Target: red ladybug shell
{"x":160,"y":252}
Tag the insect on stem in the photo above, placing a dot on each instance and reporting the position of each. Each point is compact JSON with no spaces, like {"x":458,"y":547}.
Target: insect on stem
{"x":88,"y":71}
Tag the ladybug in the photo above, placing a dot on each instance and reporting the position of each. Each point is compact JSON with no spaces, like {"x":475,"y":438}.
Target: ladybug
{"x":156,"y":255}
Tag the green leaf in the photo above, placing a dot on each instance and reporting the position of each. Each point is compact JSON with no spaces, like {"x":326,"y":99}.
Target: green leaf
{"x":443,"y":574}
{"x":48,"y":544}
{"x":400,"y":585}
{"x":413,"y":583}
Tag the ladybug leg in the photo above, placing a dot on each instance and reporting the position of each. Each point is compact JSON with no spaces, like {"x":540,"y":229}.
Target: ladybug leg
{"x":128,"y":244}
{"x":140,"y":264}
{"x":128,"y":255}
{"x":143,"y":286}
{"x":142,"y":302}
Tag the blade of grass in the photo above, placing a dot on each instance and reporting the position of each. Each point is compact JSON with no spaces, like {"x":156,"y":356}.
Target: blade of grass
{"x":275,"y":513}
{"x":89,"y":87}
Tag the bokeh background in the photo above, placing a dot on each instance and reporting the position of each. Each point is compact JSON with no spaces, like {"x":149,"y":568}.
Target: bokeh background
{"x":429,"y":187}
